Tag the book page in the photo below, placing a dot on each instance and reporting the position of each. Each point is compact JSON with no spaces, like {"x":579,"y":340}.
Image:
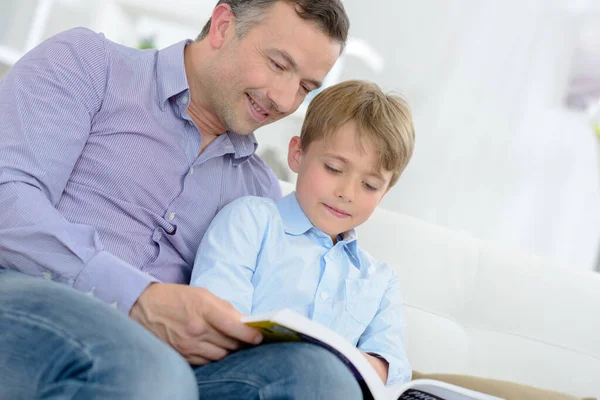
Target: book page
{"x":438,"y":389}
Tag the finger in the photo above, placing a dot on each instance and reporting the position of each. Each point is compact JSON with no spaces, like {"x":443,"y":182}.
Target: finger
{"x":209,"y":351}
{"x":229,"y":324}
{"x":197,"y":360}
{"x":202,"y":331}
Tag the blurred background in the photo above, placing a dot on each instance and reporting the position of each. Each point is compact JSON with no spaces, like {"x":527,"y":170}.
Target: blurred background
{"x":505,"y":95}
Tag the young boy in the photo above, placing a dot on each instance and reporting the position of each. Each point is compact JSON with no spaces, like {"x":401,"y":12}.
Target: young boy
{"x":301,"y":252}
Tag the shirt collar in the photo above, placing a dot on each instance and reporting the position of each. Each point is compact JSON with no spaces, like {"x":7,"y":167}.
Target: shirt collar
{"x":170,"y":72}
{"x":243,"y":145}
{"x":350,"y":241}
{"x":295,"y":222}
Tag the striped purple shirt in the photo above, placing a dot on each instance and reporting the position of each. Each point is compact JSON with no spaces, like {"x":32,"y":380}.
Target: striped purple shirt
{"x":101,"y":185}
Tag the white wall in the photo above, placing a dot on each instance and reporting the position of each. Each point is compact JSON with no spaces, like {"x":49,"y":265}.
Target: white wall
{"x":497,"y":155}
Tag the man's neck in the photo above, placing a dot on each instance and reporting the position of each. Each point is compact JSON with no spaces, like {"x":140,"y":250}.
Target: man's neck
{"x":208,"y":128}
{"x":203,"y":116}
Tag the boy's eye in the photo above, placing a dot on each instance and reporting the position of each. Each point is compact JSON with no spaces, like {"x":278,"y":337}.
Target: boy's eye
{"x":370,"y":187}
{"x":332,"y":170}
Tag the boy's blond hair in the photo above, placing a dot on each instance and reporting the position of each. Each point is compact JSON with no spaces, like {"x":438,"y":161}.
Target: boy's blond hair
{"x":384,"y":120}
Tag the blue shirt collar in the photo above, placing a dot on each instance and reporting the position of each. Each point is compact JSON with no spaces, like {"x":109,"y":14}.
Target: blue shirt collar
{"x":295,"y":222}
{"x":171,"y":80}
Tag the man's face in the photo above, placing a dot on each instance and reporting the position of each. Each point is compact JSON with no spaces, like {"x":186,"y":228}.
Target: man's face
{"x":338,"y":185}
{"x":265,"y":75}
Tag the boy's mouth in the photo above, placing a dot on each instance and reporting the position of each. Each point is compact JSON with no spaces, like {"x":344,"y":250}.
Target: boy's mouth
{"x":336,"y":211}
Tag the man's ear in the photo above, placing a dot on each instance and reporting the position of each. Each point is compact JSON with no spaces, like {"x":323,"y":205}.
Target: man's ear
{"x":222,"y":22}
{"x":295,"y":154}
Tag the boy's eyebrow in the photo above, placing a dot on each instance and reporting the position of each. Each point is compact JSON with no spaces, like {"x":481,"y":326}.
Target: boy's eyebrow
{"x":337,"y":157}
{"x":290,"y":60}
{"x":375,"y":174}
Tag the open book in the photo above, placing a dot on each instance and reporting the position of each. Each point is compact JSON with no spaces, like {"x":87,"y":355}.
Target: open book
{"x":287,"y":326}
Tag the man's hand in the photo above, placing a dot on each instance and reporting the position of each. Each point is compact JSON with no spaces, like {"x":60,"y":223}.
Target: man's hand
{"x":196,"y":323}
{"x":379,"y":364}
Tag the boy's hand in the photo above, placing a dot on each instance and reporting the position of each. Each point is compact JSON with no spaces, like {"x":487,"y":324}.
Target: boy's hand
{"x":379,"y":364}
{"x":196,"y":323}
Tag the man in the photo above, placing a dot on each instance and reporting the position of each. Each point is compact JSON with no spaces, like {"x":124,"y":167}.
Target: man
{"x":113,"y":162}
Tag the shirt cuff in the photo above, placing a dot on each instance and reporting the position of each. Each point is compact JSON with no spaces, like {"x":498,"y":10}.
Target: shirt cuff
{"x":113,"y":281}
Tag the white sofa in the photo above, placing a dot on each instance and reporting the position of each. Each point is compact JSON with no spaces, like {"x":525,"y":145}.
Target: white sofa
{"x":475,"y":308}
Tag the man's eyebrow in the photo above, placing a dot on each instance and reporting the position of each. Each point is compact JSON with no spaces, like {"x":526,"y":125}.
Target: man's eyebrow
{"x":290,"y":60}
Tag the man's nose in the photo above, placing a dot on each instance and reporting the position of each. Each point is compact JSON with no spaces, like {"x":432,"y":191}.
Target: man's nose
{"x":284,"y":96}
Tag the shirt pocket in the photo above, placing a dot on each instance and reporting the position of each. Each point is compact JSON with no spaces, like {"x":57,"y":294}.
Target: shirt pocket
{"x":361,"y":304}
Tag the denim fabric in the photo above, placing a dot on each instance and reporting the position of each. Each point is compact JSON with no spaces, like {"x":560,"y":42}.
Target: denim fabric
{"x":57,"y":343}
{"x":278,"y":371}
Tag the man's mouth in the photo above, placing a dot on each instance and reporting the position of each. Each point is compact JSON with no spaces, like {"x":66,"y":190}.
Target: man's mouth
{"x":258,"y":112}
{"x":336,"y":211}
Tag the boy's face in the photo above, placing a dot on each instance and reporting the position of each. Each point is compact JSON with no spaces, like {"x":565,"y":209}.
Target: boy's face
{"x":338,"y":185}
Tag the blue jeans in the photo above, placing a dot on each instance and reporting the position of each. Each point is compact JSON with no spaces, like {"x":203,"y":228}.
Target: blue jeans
{"x":278,"y":371}
{"x":57,"y":343}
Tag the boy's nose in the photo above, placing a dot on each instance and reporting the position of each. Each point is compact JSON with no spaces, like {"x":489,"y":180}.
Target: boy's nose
{"x":345,"y":193}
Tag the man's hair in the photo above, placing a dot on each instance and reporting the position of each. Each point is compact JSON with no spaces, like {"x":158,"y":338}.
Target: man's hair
{"x":382,"y":120}
{"x":329,"y":15}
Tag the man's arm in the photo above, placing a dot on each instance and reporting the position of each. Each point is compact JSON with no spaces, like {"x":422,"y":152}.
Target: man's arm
{"x":47,"y":103}
{"x":385,"y":336}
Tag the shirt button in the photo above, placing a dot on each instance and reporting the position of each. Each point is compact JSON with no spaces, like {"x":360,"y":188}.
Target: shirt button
{"x":47,"y":275}
{"x":158,"y":236}
{"x":191,"y":170}
{"x":324,"y":296}
{"x":184,"y":100}
{"x":171,"y":216}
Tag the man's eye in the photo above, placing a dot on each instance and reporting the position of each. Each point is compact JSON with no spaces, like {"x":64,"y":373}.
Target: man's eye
{"x":277,"y":65}
{"x":305,"y":88}
{"x":332,"y":170}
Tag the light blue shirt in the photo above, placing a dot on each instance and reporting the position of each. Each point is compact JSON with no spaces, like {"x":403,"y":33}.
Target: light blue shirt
{"x":263,"y":256}
{"x":101,"y":184}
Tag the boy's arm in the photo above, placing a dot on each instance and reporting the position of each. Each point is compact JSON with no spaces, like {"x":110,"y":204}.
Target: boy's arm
{"x":385,"y":335}
{"x":380,"y":365}
{"x":227,"y":256}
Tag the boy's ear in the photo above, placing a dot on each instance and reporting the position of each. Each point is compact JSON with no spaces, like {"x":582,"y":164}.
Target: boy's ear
{"x":295,"y":154}
{"x":222,"y":21}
